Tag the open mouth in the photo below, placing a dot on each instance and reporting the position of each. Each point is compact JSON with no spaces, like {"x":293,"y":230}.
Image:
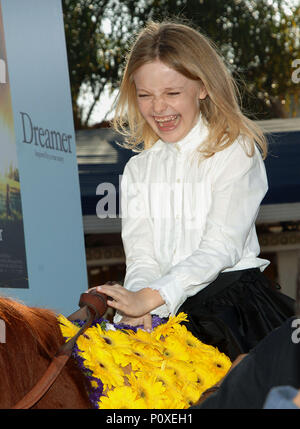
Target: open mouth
{"x":166,"y":123}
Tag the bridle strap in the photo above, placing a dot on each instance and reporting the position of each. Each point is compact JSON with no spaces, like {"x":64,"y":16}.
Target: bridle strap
{"x":44,"y":384}
{"x":94,"y":305}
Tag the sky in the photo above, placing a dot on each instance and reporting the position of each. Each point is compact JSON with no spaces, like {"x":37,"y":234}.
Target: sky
{"x":102,"y":107}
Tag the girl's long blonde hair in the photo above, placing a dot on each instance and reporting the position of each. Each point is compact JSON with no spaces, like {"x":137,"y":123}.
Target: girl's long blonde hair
{"x":196,"y":57}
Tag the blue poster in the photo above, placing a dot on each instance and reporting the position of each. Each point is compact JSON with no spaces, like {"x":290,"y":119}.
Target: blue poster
{"x":13,"y":270}
{"x":45,"y":165}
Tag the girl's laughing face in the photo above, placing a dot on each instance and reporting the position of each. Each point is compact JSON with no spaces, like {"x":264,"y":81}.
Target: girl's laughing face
{"x":168,"y":101}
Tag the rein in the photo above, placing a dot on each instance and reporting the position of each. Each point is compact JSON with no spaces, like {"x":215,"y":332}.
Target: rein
{"x":92,"y":306}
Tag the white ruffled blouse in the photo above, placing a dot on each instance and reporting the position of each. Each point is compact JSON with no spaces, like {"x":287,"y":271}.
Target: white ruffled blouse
{"x":183,"y":223}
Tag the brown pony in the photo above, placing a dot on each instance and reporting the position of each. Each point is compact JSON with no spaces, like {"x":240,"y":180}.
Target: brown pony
{"x":32,"y":338}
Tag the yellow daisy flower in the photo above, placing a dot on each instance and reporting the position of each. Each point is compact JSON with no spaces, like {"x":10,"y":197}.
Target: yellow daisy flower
{"x":196,"y":348}
{"x":166,"y":328}
{"x":220,"y":364}
{"x":102,"y":365}
{"x":191,"y":393}
{"x":172,"y":397}
{"x":150,"y":390}
{"x":175,"y":402}
{"x":114,"y":342}
{"x":205,"y":378}
{"x":67,"y":328}
{"x":143,"y":340}
{"x":108,"y":339}
{"x":174,"y":348}
{"x":187,"y":337}
{"x":143,"y":360}
{"x":121,"y":398}
{"x":182,"y":370}
{"x":166,"y":376}
{"x":85,"y":344}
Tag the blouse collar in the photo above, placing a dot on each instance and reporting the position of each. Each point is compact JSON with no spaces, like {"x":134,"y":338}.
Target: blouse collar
{"x":192,"y":140}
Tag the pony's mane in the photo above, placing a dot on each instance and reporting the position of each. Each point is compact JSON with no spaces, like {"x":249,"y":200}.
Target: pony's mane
{"x":37,"y":325}
{"x":32,"y":338}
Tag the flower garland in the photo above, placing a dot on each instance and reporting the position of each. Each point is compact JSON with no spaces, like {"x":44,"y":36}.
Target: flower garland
{"x":167,"y":368}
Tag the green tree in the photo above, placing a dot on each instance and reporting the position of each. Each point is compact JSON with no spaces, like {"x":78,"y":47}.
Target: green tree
{"x":258,"y":39}
{"x":97,"y":33}
{"x":89,"y":52}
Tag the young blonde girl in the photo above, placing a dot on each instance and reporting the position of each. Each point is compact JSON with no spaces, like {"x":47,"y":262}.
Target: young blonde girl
{"x":191,"y":195}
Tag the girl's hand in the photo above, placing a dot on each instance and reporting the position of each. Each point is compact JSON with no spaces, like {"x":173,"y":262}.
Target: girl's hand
{"x":146,"y":321}
{"x":131,"y":304}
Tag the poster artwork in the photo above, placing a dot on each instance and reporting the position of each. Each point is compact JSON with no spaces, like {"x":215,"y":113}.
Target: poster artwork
{"x":13,"y":267}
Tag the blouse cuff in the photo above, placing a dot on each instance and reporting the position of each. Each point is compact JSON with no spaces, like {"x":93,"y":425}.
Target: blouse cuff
{"x":171,"y":292}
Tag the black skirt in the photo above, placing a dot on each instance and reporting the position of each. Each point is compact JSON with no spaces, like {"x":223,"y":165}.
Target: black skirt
{"x":236,"y":311}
